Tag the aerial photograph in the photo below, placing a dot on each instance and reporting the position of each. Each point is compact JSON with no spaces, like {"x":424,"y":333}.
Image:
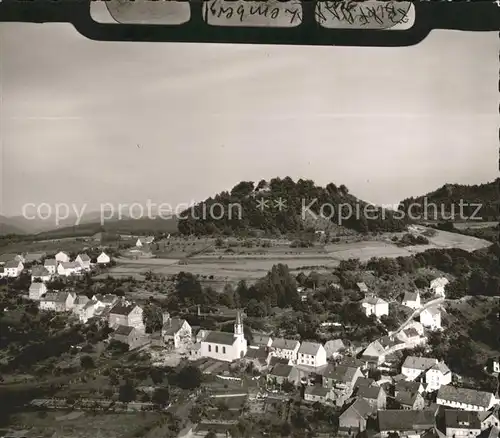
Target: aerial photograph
{"x":248,"y":241}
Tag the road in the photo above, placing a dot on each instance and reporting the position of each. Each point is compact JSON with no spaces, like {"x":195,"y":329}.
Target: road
{"x":432,"y":303}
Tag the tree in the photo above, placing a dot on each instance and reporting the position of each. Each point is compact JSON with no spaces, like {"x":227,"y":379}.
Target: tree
{"x":86,"y":362}
{"x":189,"y":377}
{"x":127,"y":392}
{"x":211,"y":434}
{"x":161,"y":396}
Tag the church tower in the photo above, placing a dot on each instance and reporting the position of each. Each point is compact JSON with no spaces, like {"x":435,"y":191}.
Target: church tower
{"x":239,"y":334}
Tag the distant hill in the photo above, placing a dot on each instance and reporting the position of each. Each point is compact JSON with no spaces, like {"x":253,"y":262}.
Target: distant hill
{"x":9,"y":227}
{"x":259,"y":205}
{"x":448,"y":197}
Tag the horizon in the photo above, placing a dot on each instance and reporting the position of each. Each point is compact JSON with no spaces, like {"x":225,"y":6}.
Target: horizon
{"x":208,"y":116}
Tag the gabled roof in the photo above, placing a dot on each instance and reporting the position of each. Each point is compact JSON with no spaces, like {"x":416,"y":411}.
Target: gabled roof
{"x":123,"y":330}
{"x":374,"y":350}
{"x":402,"y":420}
{"x":281,"y":370}
{"x":340,"y":373}
{"x":58,"y":297}
{"x":359,"y":408}
{"x":373,"y":300}
{"x":223,"y":338}
{"x":411,"y":332}
{"x":70,"y":265}
{"x":433,"y":311}
{"x":364,"y":381}
{"x":7,"y":257}
{"x":458,"y":419}
{"x":34,"y":256}
{"x":362,"y":287}
{"x":419,"y":363}
{"x":172,"y":326}
{"x":316,"y":390}
{"x":465,"y":395}
{"x":50,"y":262}
{"x":407,"y":386}
{"x":84,"y":257}
{"x":285,"y":344}
{"x":123,"y":308}
{"x":262,"y":340}
{"x":333,"y":346}
{"x":257,"y":353}
{"x":407,"y":398}
{"x":39,"y":271}
{"x":441,"y":366}
{"x":81,"y":299}
{"x":37,"y":286}
{"x":369,"y":392}
{"x":311,"y":348}
{"x":411,"y":296}
{"x":12,"y":264}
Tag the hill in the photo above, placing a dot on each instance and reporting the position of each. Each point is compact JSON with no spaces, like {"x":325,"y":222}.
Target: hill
{"x":284,"y":206}
{"x":448,"y":198}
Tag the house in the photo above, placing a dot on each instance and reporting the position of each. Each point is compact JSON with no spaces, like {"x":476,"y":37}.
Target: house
{"x":340,"y":379}
{"x":281,"y":373}
{"x":408,"y":386}
{"x":37,"y":290}
{"x":259,"y":341}
{"x":2,"y":272}
{"x":51,"y":266}
{"x":176,"y":332}
{"x":461,"y":423}
{"x":374,"y":395}
{"x":405,"y":423}
{"x":334,"y":348}
{"x":489,"y":419}
{"x":68,"y":268}
{"x":128,"y":314}
{"x":438,"y":285}
{"x":34,"y":257}
{"x":353,"y":419}
{"x":464,"y":398}
{"x":87,"y":311}
{"x":79,"y":304}
{"x":142,"y":241}
{"x":40,"y":273}
{"x":414,"y":366}
{"x":364,"y":381}
{"x":373,"y":305}
{"x":437,"y":376}
{"x":311,"y":354}
{"x":129,"y":335}
{"x":62,"y":257}
{"x":107,"y":300}
{"x":103,"y":259}
{"x":225,"y":346}
{"x":431,"y":318}
{"x":4,"y":258}
{"x":84,"y":261}
{"x":362,"y":287}
{"x":58,"y":301}
{"x":316,"y":393}
{"x":258,"y":357}
{"x":412,"y":300}
{"x":374,"y":354}
{"x":13,"y":268}
{"x":285,"y":348}
{"x":408,"y":400}
{"x":411,"y":337}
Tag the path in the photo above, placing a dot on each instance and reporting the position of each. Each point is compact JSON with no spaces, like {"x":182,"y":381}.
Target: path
{"x":432,"y":303}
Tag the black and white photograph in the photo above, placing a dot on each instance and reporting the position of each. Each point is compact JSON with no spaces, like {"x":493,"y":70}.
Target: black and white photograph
{"x":246,"y":240}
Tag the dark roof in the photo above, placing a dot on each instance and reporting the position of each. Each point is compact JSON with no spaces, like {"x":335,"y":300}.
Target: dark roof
{"x":220,"y":338}
{"x":411,"y":332}
{"x":369,"y":392}
{"x":256,"y":353}
{"x":465,"y":395}
{"x":7,"y":257}
{"x":311,"y":348}
{"x":172,"y":326}
{"x":275,"y":360}
{"x":260,"y":339}
{"x":285,"y":344}
{"x":122,"y":309}
{"x":33,"y":256}
{"x":281,"y":370}
{"x":359,"y":408}
{"x":410,"y":296}
{"x":406,"y":386}
{"x":401,"y":420}
{"x":84,"y":257}
{"x":461,"y":419}
{"x":419,"y":363}
{"x":364,"y":381}
{"x":39,"y":271}
{"x":407,"y":398}
{"x":316,"y":390}
{"x":123,"y":330}
{"x":12,"y":264}
{"x":340,"y":373}
{"x":50,"y":262}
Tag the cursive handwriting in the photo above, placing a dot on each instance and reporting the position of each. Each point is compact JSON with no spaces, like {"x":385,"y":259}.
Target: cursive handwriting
{"x":329,"y":13}
{"x":224,"y":12}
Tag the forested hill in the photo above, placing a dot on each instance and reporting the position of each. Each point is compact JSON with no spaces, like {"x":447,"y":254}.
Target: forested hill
{"x":285,"y":206}
{"x":487,"y":195}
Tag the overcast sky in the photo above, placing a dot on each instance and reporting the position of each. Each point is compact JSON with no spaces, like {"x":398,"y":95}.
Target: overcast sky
{"x":387,"y":122}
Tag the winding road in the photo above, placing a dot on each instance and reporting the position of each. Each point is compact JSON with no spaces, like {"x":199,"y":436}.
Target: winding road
{"x":431,"y":303}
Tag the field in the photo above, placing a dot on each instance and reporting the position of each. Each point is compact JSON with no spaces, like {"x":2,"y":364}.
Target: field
{"x":237,"y":260}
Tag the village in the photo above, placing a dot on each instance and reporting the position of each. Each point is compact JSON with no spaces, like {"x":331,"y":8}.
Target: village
{"x":376,"y":388}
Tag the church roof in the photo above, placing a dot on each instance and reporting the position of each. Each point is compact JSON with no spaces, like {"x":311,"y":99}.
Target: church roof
{"x":224,"y":338}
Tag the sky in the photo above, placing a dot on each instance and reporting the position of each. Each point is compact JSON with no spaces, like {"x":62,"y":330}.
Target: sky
{"x":388,"y":123}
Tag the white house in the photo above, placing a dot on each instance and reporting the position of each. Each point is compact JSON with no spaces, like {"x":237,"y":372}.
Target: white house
{"x":415,"y":366}
{"x":84,"y":261}
{"x":431,"y":318}
{"x":176,"y":332}
{"x":68,"y":268}
{"x":51,"y":265}
{"x":62,"y":257}
{"x":79,"y":304}
{"x":103,"y":259}
{"x":464,"y":398}
{"x":311,"y":354}
{"x":225,"y":346}
{"x":127,"y":314}
{"x":87,"y":311}
{"x":40,"y":273}
{"x":373,"y":305}
{"x":285,"y":349}
{"x":147,"y":240}
{"x":58,"y":301}
{"x":437,"y":376}
{"x":334,"y":347}
{"x":438,"y":285}
{"x":37,"y":290}
{"x":13,"y":268}
{"x":412,"y":300}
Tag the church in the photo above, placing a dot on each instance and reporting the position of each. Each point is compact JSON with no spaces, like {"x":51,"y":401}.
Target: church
{"x":225,"y":346}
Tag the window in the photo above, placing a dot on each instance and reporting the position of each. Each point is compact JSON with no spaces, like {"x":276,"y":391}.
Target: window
{"x":209,"y":348}
{"x":223,"y":350}
{"x":216,"y":348}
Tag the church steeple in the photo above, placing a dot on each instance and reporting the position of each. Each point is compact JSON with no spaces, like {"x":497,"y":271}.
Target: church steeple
{"x":238,"y":325}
